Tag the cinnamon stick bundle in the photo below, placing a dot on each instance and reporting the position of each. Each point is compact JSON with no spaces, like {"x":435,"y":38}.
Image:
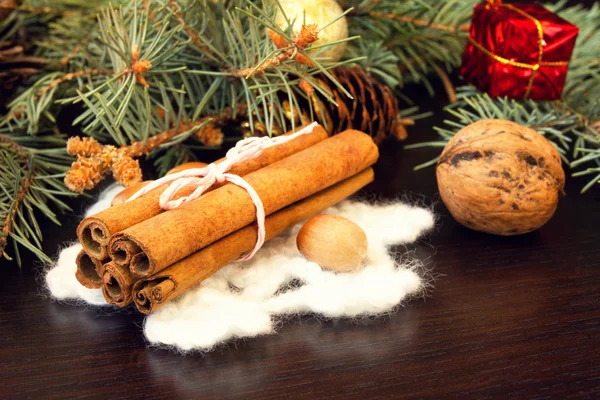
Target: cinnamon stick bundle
{"x":94,"y":232}
{"x":173,"y":235}
{"x":87,"y":270}
{"x":151,"y":293}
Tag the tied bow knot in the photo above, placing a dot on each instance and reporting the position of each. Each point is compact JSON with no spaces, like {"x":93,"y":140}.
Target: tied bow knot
{"x":203,"y":178}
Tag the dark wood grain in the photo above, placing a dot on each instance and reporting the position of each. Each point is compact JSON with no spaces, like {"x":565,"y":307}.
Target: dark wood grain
{"x":507,"y":318}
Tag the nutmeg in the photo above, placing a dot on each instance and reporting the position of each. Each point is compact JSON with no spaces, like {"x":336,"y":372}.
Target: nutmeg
{"x":499,"y":177}
{"x":333,"y":242}
{"x":126,"y":193}
{"x":188,"y":165}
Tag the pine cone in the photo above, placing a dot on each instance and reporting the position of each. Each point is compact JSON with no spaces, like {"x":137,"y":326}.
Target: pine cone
{"x":127,"y":171}
{"x":373,"y":110}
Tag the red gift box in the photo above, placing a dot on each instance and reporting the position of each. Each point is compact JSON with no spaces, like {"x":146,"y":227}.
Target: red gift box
{"x":518,"y":50}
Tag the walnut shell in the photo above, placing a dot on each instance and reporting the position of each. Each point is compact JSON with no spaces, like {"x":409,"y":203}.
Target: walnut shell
{"x":499,"y":177}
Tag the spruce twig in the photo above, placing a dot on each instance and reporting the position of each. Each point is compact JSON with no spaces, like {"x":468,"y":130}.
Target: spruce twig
{"x":288,"y":50}
{"x":95,"y":160}
{"x":422,"y":35}
{"x":7,"y":224}
{"x":188,"y":29}
{"x":30,"y":174}
{"x":448,"y":85}
{"x":421,"y":22}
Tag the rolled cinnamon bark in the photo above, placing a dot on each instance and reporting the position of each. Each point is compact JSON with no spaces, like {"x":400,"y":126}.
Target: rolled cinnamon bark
{"x":101,"y":267}
{"x":122,"y":253}
{"x":87,"y":270}
{"x":94,"y":232}
{"x":173,"y":235}
{"x":151,"y":293}
{"x":117,"y":283}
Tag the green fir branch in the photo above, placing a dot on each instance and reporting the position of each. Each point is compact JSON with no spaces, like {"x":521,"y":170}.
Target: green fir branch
{"x":141,"y":67}
{"x":193,"y":52}
{"x":545,"y":117}
{"x":421,"y":34}
{"x":31,"y":172}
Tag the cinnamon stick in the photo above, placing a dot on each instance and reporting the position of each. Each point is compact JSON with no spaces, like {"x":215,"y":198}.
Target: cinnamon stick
{"x":94,"y":232}
{"x":122,"y":253}
{"x":87,"y":270}
{"x":101,"y":267}
{"x":173,"y":235}
{"x":152,"y":293}
{"x":117,"y":283}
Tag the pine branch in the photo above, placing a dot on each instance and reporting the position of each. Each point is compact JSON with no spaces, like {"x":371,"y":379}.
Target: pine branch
{"x":261,"y":70}
{"x":221,"y":70}
{"x":95,"y":160}
{"x":32,"y":110}
{"x":378,"y":61}
{"x":42,"y":30}
{"x":572,"y":133}
{"x":448,"y":85}
{"x":30,"y":174}
{"x":22,"y":190}
{"x":582,"y":89}
{"x":424,"y":36}
{"x":289,"y":50}
{"x":421,"y":22}
{"x":67,"y":77}
{"x":193,"y":59}
{"x":473,"y":106}
{"x":188,"y":29}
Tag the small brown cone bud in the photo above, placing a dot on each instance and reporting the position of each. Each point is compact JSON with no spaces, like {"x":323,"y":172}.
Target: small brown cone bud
{"x":210,"y":135}
{"x":307,"y":36}
{"x":85,"y":147}
{"x":302,"y":59}
{"x":127,"y":171}
{"x":306,"y":87}
{"x":85,"y":173}
{"x":279,"y":41}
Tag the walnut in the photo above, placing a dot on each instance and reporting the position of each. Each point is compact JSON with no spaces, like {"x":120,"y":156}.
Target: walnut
{"x":499,"y":177}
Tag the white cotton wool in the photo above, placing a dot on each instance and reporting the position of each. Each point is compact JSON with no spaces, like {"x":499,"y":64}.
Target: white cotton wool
{"x":243,"y":300}
{"x":104,"y":199}
{"x":62,"y":283}
{"x":61,"y":279}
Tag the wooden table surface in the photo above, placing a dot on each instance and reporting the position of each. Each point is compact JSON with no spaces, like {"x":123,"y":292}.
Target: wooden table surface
{"x":514,"y":317}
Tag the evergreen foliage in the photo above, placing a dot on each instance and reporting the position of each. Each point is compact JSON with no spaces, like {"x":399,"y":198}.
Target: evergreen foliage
{"x":139,"y":68}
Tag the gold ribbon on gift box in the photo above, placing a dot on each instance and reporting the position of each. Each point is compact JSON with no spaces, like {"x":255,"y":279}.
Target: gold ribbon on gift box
{"x":533,"y":67}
